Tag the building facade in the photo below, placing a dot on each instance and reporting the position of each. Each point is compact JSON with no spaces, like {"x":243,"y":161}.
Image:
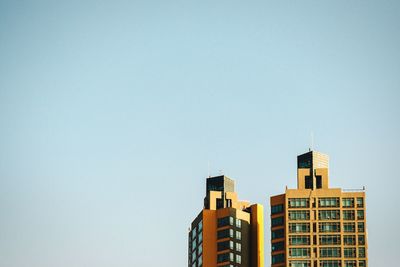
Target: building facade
{"x":227,"y":232}
{"x":315,"y":225}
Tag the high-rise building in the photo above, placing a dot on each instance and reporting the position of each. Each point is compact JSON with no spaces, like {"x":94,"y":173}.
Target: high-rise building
{"x":227,"y":232}
{"x":315,"y":225}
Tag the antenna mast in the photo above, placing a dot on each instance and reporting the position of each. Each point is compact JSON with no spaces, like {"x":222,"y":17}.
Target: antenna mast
{"x":312,"y":141}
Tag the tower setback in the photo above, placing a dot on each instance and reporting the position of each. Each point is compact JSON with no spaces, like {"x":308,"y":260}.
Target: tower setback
{"x":315,"y":225}
{"x":227,"y":232}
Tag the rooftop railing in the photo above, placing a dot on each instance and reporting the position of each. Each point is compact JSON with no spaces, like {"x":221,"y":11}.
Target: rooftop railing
{"x":354,"y":189}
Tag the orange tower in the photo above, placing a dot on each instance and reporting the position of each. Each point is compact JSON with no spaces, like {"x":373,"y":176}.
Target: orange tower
{"x":227,"y":232}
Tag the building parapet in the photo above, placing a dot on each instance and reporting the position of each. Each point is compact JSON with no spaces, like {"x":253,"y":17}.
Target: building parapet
{"x":354,"y":189}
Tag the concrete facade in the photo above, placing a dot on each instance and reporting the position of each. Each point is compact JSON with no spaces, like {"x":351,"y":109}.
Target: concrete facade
{"x":315,"y":225}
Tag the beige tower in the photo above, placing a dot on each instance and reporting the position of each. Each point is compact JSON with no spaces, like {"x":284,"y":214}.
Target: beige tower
{"x":315,"y":225}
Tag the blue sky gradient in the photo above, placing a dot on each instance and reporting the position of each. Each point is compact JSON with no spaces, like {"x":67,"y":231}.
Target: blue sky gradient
{"x":111,"y":110}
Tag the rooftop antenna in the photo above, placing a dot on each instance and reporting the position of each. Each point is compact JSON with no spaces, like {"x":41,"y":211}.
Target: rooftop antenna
{"x":312,"y":141}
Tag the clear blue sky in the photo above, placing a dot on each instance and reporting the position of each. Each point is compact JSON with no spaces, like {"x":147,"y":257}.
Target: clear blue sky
{"x":111,"y":110}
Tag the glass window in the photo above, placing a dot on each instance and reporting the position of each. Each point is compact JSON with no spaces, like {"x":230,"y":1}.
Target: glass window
{"x":360,"y":215}
{"x":200,"y":237}
{"x":194,"y":255}
{"x":238,"y":223}
{"x":278,"y":258}
{"x":299,"y":240}
{"x":200,"y":261}
{"x":238,"y":235}
{"x":329,"y":227}
{"x":348,"y":202}
{"x":299,"y":227}
{"x":224,"y":257}
{"x":361,"y":252}
{"x":277,"y":246}
{"x":225,"y":221}
{"x":360,"y":202}
{"x":348,"y":215}
{"x":299,"y":215}
{"x":330,"y":202}
{"x":304,"y":163}
{"x":194,"y":232}
{"x":299,"y":252}
{"x":194,"y":244}
{"x":361,"y":239}
{"x":329,"y":240}
{"x":224,"y":233}
{"x":350,"y":264}
{"x":329,"y":252}
{"x":330,"y":263}
{"x":225,"y":245}
{"x":277,"y":221}
{"x":362,"y":264}
{"x":199,"y":250}
{"x":277,"y":209}
{"x":349,"y":227}
{"x":298,"y":263}
{"x":329,"y":214}
{"x":349,"y":252}
{"x":238,"y":259}
{"x":349,"y":239}
{"x":277,"y":234}
{"x":238,"y":247}
{"x":360,"y":227}
{"x":200,"y":226}
{"x":308,"y":182}
{"x":299,"y":203}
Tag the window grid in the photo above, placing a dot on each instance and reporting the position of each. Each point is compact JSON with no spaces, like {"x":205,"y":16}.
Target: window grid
{"x":299,"y":227}
{"x":348,"y":202}
{"x":330,"y":263}
{"x":360,"y":202}
{"x":350,"y":263}
{"x":329,"y":214}
{"x":299,"y":240}
{"x":329,"y":252}
{"x":299,"y":252}
{"x":299,"y":203}
{"x":348,"y":215}
{"x":332,"y":227}
{"x":276,"y":209}
{"x":328,"y":202}
{"x":349,"y":227}
{"x":329,"y":240}
{"x":277,"y":246}
{"x":299,"y":215}
{"x":277,"y":221}
{"x":349,"y":240}
{"x":349,"y":252}
{"x":300,"y":263}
